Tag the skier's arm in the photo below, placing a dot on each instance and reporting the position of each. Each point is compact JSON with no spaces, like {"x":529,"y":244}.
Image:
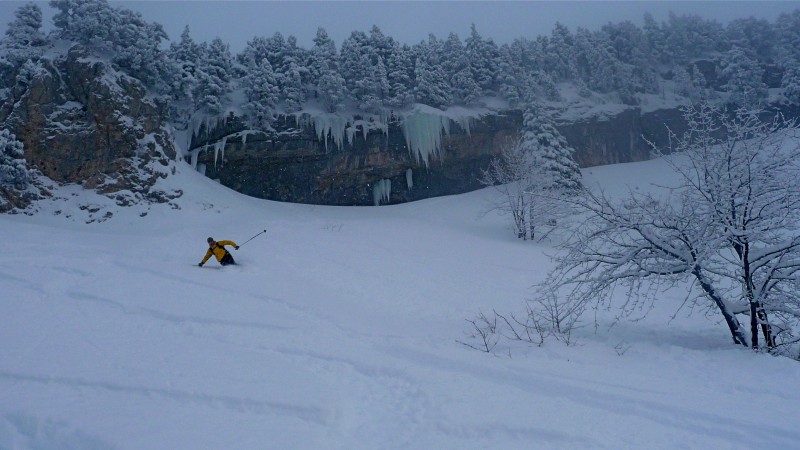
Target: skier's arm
{"x":228,"y":243}
{"x":208,"y":255}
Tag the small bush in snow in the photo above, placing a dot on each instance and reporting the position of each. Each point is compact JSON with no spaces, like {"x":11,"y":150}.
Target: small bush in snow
{"x":14,"y":172}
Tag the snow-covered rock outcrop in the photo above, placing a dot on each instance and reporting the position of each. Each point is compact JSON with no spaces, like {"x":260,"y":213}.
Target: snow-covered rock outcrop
{"x":82,"y":121}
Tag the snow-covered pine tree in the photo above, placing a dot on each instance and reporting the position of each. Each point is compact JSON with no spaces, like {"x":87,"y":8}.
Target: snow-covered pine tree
{"x":560,"y":54}
{"x":683,"y":82}
{"x":787,"y":27}
{"x":135,"y":44}
{"x":292,"y":75}
{"x":14,"y":173}
{"x":185,"y":55}
{"x":331,"y":89}
{"x":261,"y":90}
{"x":23,"y":40}
{"x":791,"y":84}
{"x":323,"y":67}
{"x":356,"y":64}
{"x":629,"y":45}
{"x":656,"y":39}
{"x":84,"y":21}
{"x":743,"y":75}
{"x":137,"y":49}
{"x":691,"y":36}
{"x":322,"y":53}
{"x":213,"y":79}
{"x":756,"y":35}
{"x":431,"y":83}
{"x":374,"y":89}
{"x":456,"y":65}
{"x":381,"y":45}
{"x":594,"y":64}
{"x":551,"y":148}
{"x":400,"y":75}
{"x":482,"y":54}
{"x":508,"y":76}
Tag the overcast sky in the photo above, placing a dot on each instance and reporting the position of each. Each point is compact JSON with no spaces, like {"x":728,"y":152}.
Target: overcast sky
{"x":236,"y":22}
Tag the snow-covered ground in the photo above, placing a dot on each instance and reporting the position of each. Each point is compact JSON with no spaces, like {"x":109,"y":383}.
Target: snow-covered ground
{"x":338,"y":331}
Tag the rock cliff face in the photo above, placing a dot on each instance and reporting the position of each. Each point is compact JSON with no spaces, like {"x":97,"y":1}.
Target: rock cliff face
{"x":292,"y":165}
{"x":81,"y":121}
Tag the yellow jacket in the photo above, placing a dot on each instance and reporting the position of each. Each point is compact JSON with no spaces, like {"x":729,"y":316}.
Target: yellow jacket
{"x":218,"y":250}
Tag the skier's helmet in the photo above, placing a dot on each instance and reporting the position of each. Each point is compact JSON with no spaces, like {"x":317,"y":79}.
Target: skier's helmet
{"x":210,"y":240}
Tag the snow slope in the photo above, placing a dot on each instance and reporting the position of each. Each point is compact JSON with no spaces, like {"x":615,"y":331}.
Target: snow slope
{"x":338,"y":331}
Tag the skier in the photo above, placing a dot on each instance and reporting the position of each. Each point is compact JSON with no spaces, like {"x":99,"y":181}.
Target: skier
{"x":218,"y":250}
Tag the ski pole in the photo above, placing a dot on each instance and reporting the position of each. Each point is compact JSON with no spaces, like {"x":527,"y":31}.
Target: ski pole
{"x":259,"y":234}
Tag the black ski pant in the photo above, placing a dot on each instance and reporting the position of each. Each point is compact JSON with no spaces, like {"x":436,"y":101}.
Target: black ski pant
{"x":227,"y":260}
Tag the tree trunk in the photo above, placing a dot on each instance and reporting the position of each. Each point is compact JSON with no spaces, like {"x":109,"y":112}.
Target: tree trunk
{"x":766,"y":329}
{"x":754,"y":325}
{"x":730,"y":319}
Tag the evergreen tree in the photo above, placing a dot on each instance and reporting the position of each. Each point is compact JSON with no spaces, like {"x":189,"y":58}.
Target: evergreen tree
{"x":24,"y":39}
{"x":743,"y":75}
{"x":261,"y":89}
{"x":508,"y":76}
{"x":656,"y":39}
{"x":684,"y":86}
{"x":594,"y":63}
{"x":400,"y":75}
{"x":791,"y":84}
{"x":135,"y":44}
{"x":546,"y":142}
{"x":356,"y":63}
{"x":559,"y":54}
{"x":213,"y":81}
{"x":482,"y":54}
{"x":691,"y":36}
{"x":323,"y":68}
{"x":431,"y":82}
{"x":629,"y":45}
{"x":84,"y":21}
{"x":185,"y":55}
{"x":14,"y":173}
{"x":331,"y":88}
{"x":787,"y":28}
{"x":757,"y":36}
{"x":458,"y":71}
{"x":323,"y":53}
{"x":374,"y":89}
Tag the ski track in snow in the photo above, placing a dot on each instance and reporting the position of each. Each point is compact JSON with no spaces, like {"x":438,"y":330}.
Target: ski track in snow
{"x":339,"y":330}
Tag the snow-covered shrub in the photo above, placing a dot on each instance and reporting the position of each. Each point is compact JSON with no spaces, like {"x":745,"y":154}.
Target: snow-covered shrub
{"x":743,"y":74}
{"x":14,"y":172}
{"x":16,"y":188}
{"x":791,"y":84}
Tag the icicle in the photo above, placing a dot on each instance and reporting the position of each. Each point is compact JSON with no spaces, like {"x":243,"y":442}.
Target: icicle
{"x":465,"y":122}
{"x":350,"y":131}
{"x":382,"y":191}
{"x":410,"y":178}
{"x":330,"y":124}
{"x":244,"y":140}
{"x":216,"y":153}
{"x":387,"y":189}
{"x":224,"y":143}
{"x":423,"y":133}
{"x":377,"y":192}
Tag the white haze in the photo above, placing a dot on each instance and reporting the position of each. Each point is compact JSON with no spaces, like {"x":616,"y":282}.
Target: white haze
{"x":236,"y":22}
